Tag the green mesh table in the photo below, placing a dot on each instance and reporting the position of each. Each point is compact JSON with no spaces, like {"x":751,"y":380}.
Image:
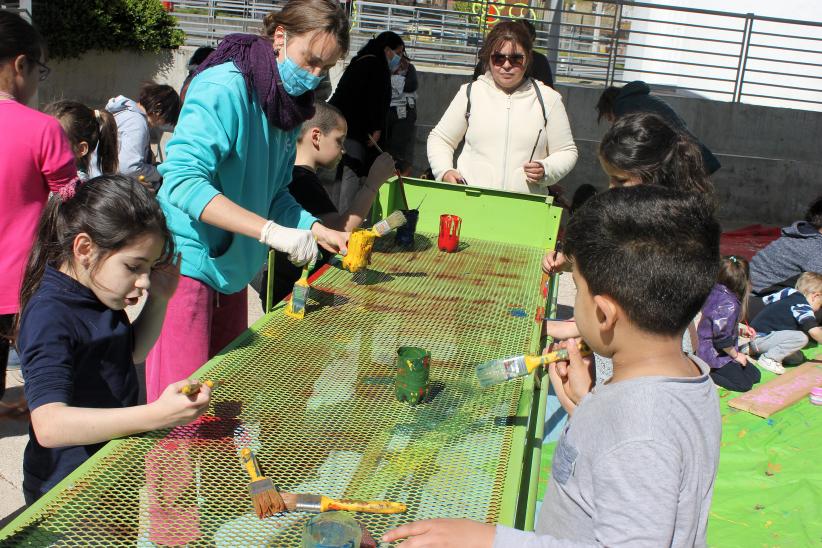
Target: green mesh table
{"x":314,"y":398}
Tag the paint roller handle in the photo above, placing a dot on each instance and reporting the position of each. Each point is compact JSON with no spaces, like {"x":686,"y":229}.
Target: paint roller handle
{"x":366,"y":506}
{"x":251,"y":464}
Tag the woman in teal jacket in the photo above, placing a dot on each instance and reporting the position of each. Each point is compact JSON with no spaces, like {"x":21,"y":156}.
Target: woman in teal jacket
{"x":226,"y":175}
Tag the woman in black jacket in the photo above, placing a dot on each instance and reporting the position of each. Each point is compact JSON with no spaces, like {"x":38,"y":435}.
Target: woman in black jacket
{"x":363,"y":95}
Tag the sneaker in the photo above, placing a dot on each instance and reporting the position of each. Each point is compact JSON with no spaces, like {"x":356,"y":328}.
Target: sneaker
{"x":771,"y":365}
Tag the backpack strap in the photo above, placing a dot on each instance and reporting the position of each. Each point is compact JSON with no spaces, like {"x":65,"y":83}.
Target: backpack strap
{"x":468,"y":96}
{"x":539,"y":98}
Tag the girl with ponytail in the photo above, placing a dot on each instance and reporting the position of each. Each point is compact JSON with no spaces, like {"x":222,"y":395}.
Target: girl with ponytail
{"x":643,"y":149}
{"x":101,"y":246}
{"x":88,"y":130}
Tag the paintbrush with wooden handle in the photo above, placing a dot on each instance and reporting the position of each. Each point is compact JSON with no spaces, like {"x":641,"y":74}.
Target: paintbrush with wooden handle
{"x":300,"y":502}
{"x":397,"y":171}
{"x":264,"y":496}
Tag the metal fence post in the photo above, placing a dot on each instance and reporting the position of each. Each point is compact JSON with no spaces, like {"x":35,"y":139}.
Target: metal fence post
{"x":745,"y":45}
{"x":612,"y":55}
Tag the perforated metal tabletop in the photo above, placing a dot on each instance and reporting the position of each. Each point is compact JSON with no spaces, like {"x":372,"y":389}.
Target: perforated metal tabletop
{"x":315,"y":399}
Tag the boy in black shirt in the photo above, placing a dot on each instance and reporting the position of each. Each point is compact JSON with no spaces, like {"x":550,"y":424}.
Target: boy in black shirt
{"x":320,"y":144}
{"x":788,"y":321}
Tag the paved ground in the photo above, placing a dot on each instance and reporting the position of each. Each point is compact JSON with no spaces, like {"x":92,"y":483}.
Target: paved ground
{"x":14,"y":433}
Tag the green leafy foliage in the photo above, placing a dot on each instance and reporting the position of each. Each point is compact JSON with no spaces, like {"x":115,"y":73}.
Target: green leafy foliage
{"x":72,"y":28}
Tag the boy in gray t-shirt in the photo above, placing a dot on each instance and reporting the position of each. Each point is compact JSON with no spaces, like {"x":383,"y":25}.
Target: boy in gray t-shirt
{"x":636,"y":463}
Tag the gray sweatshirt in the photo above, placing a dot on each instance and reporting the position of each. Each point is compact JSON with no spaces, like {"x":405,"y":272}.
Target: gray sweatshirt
{"x":635,"y":466}
{"x":133,"y":138}
{"x":798,"y":250}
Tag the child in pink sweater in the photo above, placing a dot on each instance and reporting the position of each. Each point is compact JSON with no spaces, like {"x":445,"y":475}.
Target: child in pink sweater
{"x":35,"y":158}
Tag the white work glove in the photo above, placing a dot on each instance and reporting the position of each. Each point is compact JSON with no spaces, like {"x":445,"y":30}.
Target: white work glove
{"x":300,"y":245}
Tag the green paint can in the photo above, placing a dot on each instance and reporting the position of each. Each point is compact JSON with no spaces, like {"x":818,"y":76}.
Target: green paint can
{"x":411,"y":383}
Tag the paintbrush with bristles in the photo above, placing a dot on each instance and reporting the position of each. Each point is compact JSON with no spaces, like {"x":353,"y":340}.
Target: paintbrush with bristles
{"x":504,"y":369}
{"x":264,"y":496}
{"x":301,"y":502}
{"x":299,"y":295}
{"x":395,"y":220}
{"x":193,"y":387}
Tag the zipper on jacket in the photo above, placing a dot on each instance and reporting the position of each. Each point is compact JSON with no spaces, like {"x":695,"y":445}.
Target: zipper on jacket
{"x":505,"y":149}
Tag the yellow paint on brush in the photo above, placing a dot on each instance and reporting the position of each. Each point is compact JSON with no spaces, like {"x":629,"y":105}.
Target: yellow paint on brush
{"x":299,"y":295}
{"x":360,"y":246}
{"x":194,"y":387}
{"x":370,"y":506}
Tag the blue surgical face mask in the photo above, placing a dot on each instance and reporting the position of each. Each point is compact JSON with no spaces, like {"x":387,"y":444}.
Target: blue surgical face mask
{"x":394,"y":62}
{"x":296,"y":80}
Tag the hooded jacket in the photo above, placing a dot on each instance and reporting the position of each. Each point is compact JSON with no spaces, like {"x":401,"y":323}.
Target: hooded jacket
{"x":500,"y":135}
{"x":717,"y":328}
{"x":133,"y":140}
{"x":636,"y":97}
{"x":798,"y":250}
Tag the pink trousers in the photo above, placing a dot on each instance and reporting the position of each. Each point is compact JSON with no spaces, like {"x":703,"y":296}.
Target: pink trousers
{"x":199,"y":323}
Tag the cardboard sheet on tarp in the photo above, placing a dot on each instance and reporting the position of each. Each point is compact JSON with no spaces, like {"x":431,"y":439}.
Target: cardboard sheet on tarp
{"x":777,"y":394}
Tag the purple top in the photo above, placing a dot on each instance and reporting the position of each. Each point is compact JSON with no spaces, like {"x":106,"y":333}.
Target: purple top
{"x":717,"y":328}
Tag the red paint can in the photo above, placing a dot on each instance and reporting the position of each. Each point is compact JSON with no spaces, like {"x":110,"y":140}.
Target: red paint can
{"x":449,"y":239}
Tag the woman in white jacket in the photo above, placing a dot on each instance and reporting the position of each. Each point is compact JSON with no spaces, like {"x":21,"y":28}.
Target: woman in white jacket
{"x":517,"y":135}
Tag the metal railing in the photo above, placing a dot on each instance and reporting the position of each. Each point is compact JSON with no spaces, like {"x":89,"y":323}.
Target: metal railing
{"x":721,"y":55}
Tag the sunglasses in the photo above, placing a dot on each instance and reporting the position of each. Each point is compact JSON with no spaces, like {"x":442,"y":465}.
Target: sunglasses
{"x":499,"y":59}
{"x":44,"y":70}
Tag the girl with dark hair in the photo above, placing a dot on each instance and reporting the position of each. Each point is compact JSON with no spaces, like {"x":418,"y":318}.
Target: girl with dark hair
{"x":35,"y":159}
{"x":226,"y":174}
{"x":516,"y":132}
{"x":643,"y":149}
{"x":88,"y":130}
{"x":363,"y":95}
{"x":100,"y":246}
{"x":718,"y":333}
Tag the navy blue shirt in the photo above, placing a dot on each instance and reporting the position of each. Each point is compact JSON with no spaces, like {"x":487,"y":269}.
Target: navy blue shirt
{"x":73,"y":350}
{"x":786,"y":310}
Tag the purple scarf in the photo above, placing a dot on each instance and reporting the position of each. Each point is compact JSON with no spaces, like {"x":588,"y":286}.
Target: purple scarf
{"x":255,"y":58}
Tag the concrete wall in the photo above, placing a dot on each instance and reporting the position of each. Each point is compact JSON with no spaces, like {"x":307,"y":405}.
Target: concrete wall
{"x":97,"y":76}
{"x":771,"y":156}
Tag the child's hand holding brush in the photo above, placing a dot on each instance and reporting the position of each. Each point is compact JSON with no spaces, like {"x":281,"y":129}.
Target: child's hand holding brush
{"x":574,"y":378}
{"x":174,"y":407}
{"x":381,"y":170}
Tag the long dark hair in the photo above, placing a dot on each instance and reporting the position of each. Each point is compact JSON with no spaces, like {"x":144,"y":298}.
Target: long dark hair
{"x":18,"y":37}
{"x":112,"y":210}
{"x":734,"y":274}
{"x":644,"y":145}
{"x":96,"y":127}
{"x":377,"y":45}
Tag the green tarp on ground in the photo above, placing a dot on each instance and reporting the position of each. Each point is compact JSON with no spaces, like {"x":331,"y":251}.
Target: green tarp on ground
{"x":768,"y":489}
